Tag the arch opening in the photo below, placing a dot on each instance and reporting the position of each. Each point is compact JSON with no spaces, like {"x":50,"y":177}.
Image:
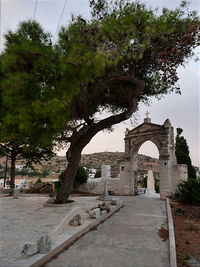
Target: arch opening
{"x":149,"y":149}
{"x":146,"y":171}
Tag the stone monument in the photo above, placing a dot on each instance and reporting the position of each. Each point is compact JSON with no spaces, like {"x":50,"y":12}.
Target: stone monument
{"x":105,"y":171}
{"x":162,"y":136}
{"x":150,"y":182}
{"x":105,"y":174}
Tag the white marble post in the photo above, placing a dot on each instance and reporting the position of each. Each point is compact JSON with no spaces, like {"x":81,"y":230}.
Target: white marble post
{"x":150,"y":182}
{"x":105,"y":171}
{"x":105,"y":174}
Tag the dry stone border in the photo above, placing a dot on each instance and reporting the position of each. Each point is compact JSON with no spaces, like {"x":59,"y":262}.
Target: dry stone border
{"x":116,"y":201}
{"x":67,"y":240}
{"x":77,"y":220}
{"x":74,"y":218}
{"x":95,"y":213}
{"x":30,"y":248}
{"x":44,"y":244}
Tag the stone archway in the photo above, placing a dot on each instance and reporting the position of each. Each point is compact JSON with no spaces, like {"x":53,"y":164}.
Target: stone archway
{"x":163,"y":137}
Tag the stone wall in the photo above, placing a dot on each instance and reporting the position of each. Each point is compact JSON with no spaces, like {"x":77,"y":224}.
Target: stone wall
{"x":113,"y":186}
{"x":96,"y":186}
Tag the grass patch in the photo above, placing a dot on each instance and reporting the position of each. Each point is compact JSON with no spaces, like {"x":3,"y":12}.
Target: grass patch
{"x":187,"y":257}
{"x":191,"y":228}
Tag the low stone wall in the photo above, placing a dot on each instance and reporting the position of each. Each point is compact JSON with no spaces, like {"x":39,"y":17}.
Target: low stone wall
{"x":180,"y":173}
{"x":96,"y":186}
{"x":113,"y":186}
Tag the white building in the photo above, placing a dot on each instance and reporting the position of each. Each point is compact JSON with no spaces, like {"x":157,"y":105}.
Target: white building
{"x":19,"y":167}
{"x":92,"y":173}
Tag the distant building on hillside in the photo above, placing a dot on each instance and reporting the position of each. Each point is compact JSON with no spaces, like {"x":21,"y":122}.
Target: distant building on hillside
{"x":19,"y":167}
{"x":20,"y":182}
{"x":92,"y":172}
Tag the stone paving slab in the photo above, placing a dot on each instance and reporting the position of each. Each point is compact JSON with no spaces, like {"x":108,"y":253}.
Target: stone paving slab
{"x":128,"y":239}
{"x":26,"y":218}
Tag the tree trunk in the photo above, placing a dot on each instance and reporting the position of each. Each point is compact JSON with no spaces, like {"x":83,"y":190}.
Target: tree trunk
{"x":79,"y":141}
{"x":68,"y":181}
{"x":5,"y":173}
{"x":12,"y":174}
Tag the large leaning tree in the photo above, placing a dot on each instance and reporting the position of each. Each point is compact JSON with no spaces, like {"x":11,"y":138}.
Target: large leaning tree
{"x":123,"y":55}
{"x":30,"y":107}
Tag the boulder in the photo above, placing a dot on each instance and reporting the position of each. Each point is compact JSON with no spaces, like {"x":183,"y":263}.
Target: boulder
{"x":102,"y":207}
{"x":116,"y":201}
{"x":77,"y":220}
{"x":30,"y":248}
{"x":44,"y":244}
{"x":94,"y":213}
{"x":106,"y":203}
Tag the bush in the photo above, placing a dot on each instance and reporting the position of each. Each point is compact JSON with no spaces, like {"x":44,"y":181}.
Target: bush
{"x":189,"y":191}
{"x":97,"y":174}
{"x":39,"y":181}
{"x":81,"y":176}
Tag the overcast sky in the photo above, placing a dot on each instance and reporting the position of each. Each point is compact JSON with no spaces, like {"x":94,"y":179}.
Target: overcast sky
{"x":182,"y":110}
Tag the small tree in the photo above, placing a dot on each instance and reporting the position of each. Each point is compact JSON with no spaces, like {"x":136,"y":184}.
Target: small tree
{"x":30,"y":111}
{"x":182,"y":153}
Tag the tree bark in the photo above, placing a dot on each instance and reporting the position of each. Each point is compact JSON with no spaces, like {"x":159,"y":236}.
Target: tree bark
{"x":12,"y":174}
{"x":5,"y":173}
{"x":68,"y":181}
{"x":81,"y":138}
{"x":79,"y":141}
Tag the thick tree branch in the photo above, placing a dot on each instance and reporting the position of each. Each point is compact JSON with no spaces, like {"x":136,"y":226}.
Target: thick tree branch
{"x":138,"y":84}
{"x":85,"y":134}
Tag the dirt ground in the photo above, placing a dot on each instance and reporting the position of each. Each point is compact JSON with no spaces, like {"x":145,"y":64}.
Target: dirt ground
{"x":186,"y":220}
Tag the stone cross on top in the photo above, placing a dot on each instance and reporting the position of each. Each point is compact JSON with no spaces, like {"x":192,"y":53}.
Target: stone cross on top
{"x":147,"y":119}
{"x":147,"y":113}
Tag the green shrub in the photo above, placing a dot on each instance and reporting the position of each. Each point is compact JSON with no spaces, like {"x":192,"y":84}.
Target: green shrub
{"x":97,"y":174}
{"x":81,"y":176}
{"x":157,"y":185}
{"x":189,"y":191}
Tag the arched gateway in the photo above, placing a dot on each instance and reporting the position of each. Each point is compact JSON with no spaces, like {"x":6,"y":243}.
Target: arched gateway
{"x":163,"y":137}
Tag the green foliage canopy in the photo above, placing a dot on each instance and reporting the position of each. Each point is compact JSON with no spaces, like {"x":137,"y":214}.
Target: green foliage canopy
{"x":30,"y":99}
{"x":183,"y":154}
{"x":189,"y":191}
{"x":97,"y":174}
{"x":122,"y":41}
{"x":125,"y":54}
{"x":32,"y":109}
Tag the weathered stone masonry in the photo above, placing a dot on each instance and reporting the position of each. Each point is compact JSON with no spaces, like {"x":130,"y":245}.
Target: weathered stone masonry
{"x":163,"y":137}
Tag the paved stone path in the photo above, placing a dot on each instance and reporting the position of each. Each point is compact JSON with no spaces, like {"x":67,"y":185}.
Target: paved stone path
{"x":25,"y":219}
{"x":128,"y":239}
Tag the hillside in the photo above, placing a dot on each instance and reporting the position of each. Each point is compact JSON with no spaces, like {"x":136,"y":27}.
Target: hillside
{"x":57,"y":164}
{"x":115,"y":159}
